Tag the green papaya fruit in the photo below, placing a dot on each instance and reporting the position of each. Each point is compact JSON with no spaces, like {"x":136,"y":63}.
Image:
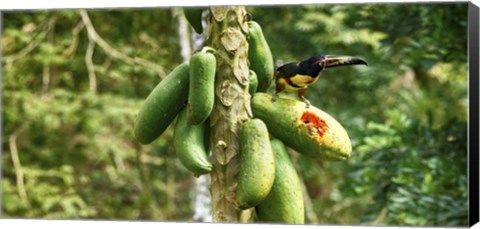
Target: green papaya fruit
{"x":162,"y":105}
{"x":194,"y":17}
{"x":202,"y":85}
{"x":284,"y":203}
{"x":189,"y":144}
{"x":257,"y":165}
{"x":310,"y":131}
{"x":253,"y":82}
{"x":259,"y":56}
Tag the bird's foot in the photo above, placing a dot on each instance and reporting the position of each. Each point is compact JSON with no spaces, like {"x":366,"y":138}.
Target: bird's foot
{"x":274,"y":97}
{"x":307,"y":103}
{"x":301,"y":95}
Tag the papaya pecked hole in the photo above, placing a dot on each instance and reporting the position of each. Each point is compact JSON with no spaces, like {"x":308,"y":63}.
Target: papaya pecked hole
{"x":317,"y":127}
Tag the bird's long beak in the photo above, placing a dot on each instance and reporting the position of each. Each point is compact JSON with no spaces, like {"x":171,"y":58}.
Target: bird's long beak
{"x":331,"y":61}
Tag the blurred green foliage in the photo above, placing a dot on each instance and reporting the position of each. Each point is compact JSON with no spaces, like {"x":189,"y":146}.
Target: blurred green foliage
{"x":76,"y":148}
{"x":406,"y":113}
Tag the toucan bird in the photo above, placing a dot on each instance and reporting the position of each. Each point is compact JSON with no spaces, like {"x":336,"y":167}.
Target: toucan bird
{"x":297,"y":76}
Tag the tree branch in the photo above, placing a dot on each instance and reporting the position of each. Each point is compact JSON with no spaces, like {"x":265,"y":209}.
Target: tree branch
{"x":73,"y":46}
{"x":309,"y":209}
{"x":46,"y":66}
{"x":338,"y":207}
{"x":17,"y":165}
{"x":92,"y":79}
{"x":10,"y":59}
{"x":45,"y":78}
{"x":93,"y":35}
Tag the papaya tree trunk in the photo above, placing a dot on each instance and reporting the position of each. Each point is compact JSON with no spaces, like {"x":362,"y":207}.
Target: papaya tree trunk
{"x":226,"y":33}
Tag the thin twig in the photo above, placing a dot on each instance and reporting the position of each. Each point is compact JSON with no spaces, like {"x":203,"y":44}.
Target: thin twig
{"x":338,"y":207}
{"x":149,"y":159}
{"x":309,"y":209}
{"x":17,"y":164}
{"x":381,"y":217}
{"x":107,"y":63}
{"x":10,"y":59}
{"x":92,"y":34}
{"x":92,"y":79}
{"x":75,"y":33}
{"x":46,"y":66}
{"x":45,"y":78}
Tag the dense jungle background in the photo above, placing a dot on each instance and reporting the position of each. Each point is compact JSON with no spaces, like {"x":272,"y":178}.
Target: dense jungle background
{"x":73,"y":82}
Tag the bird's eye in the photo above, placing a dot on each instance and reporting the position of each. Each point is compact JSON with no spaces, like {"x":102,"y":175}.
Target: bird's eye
{"x":323,"y":64}
{"x":319,"y":62}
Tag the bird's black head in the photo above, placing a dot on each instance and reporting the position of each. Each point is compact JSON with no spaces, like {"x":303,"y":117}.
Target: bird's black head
{"x":313,"y":65}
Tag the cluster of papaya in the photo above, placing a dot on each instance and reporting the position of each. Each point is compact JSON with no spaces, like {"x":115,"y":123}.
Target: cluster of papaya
{"x":187,"y":93}
{"x":267,"y":179}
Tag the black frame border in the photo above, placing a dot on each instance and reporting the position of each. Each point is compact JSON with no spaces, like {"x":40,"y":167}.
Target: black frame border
{"x":473,"y":157}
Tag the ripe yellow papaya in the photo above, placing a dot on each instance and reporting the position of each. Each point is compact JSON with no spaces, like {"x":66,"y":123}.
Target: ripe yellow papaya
{"x":257,"y":165}
{"x":162,"y":105}
{"x":284,"y":203}
{"x":310,"y":131}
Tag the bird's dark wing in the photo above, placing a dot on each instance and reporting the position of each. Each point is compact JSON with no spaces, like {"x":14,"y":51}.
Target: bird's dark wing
{"x":287,"y":70}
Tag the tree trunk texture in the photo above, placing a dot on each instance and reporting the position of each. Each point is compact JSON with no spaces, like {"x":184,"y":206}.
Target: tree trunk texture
{"x":227,"y":35}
